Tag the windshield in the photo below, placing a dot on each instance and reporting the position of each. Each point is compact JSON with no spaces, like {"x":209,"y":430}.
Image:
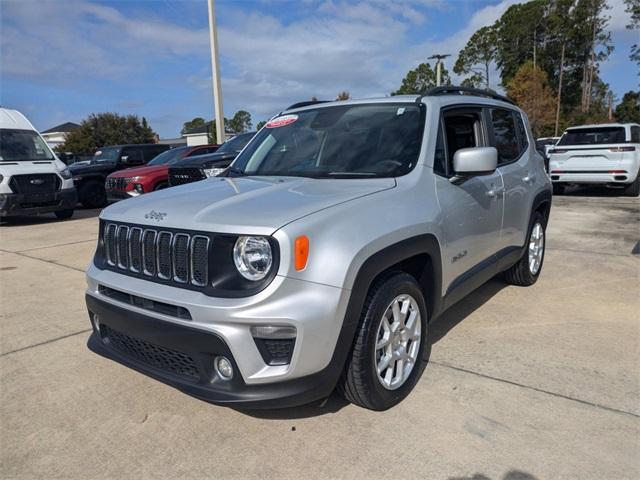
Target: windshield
{"x":593,"y":136}
{"x":22,"y":146}
{"x":169,"y":157}
{"x":106,"y":154}
{"x":236,"y":144}
{"x":375,"y":140}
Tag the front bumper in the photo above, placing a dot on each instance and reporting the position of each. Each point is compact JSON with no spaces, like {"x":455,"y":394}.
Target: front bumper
{"x":117,"y":195}
{"x":222,"y":327}
{"x":14,"y":204}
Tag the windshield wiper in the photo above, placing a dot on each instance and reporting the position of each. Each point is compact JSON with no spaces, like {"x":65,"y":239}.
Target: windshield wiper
{"x":352,"y":174}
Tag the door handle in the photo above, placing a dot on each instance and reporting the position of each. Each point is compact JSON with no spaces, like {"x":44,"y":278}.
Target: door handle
{"x":494,"y":192}
{"x":529,"y":179}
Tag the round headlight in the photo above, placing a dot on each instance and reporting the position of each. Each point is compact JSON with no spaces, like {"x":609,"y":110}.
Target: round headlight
{"x":65,"y":173}
{"x":253,"y":257}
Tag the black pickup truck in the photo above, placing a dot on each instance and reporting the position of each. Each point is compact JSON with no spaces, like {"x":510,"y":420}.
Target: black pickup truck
{"x":89,"y":177}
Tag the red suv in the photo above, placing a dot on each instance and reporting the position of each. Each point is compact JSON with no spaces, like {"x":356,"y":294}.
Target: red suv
{"x":152,"y":176}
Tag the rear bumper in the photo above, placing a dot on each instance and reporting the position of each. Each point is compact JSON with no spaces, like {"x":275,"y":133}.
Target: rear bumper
{"x":183,"y":357}
{"x":14,"y":204}
{"x":593,"y":178}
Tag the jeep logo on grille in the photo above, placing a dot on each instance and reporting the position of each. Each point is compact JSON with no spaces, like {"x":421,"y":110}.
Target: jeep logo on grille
{"x":157,"y":216}
{"x":36,"y":181}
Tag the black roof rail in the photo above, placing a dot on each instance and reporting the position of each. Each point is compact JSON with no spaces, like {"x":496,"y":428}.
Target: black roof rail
{"x":453,"y":90}
{"x":305,"y":104}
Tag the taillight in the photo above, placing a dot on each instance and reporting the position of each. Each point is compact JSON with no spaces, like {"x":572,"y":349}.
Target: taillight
{"x":557,"y":150}
{"x":622,"y":149}
{"x":617,"y":171}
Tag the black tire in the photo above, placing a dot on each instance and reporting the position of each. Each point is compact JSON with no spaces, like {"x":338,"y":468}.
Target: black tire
{"x":558,"y":189}
{"x":92,"y":194}
{"x":64,"y":214}
{"x":359,"y":383}
{"x":520,"y":274}
{"x":633,"y":189}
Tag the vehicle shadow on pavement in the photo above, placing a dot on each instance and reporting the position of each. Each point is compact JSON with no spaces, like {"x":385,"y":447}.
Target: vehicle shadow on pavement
{"x":438,"y":330}
{"x":461,"y":310}
{"x":20,"y":221}
{"x":510,"y":475}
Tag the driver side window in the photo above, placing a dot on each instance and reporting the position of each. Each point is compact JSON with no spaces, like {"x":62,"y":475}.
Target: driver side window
{"x":460,"y":128}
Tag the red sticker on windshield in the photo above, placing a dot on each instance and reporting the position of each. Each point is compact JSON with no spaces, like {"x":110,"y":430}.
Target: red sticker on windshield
{"x":281,"y":121}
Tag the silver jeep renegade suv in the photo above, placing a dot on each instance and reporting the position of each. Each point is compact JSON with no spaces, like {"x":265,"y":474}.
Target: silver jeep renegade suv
{"x":320,"y":257}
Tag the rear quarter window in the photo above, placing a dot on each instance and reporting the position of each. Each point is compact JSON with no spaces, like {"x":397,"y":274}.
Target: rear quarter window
{"x":635,"y":134}
{"x":593,"y":136}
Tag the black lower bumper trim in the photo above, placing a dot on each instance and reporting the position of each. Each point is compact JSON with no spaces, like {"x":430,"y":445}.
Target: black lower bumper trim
{"x":15,"y":204}
{"x":201,"y":347}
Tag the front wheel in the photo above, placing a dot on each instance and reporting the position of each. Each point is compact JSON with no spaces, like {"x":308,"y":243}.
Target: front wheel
{"x":527,"y":270}
{"x":390,"y":349}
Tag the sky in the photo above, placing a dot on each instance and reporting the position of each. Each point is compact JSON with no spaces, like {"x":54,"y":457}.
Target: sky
{"x":62,"y":60}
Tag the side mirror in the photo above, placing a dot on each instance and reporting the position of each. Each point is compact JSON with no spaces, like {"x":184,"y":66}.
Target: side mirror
{"x":471,"y":162}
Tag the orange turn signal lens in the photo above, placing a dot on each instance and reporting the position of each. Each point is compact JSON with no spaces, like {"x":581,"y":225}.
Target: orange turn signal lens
{"x":301,"y":252}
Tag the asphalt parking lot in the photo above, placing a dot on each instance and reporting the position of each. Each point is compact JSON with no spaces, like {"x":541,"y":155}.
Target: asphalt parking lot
{"x":523,"y":383}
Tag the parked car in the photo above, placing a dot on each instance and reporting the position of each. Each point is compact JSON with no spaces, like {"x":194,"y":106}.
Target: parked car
{"x":153,"y":176}
{"x":205,"y":166}
{"x":89,"y":178}
{"x":32,"y":179}
{"x":606,"y":155}
{"x":543,"y":145}
{"x":322,"y":255}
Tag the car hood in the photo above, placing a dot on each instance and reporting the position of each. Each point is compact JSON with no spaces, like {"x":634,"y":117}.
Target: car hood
{"x":139,"y":171}
{"x":251,"y":205}
{"x":90,"y":167}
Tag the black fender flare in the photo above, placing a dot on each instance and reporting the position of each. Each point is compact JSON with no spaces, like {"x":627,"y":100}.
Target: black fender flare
{"x":370,"y":270}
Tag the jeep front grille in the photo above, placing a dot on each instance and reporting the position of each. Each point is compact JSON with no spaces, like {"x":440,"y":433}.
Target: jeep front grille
{"x":182,"y":258}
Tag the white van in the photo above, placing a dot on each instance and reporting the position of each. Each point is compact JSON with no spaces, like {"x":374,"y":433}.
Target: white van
{"x":607,"y":154}
{"x":32,"y":179}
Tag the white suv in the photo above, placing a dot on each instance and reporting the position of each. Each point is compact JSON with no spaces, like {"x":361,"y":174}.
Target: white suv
{"x":607,"y":154}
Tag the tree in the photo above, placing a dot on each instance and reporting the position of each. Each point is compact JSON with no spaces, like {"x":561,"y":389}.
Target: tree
{"x":240,"y":122}
{"x":344,"y":95}
{"x":529,"y":88}
{"x":191,"y":124}
{"x":261,"y":124}
{"x":628,"y":110}
{"x":103,"y":129}
{"x":476,"y":57}
{"x":633,"y":8}
{"x":421,"y":79}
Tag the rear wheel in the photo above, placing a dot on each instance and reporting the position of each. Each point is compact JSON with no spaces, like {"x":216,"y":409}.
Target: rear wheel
{"x":558,"y":189}
{"x":389,"y":352}
{"x":633,"y":189}
{"x":64,"y":214}
{"x":527,"y":270}
{"x":92,"y":194}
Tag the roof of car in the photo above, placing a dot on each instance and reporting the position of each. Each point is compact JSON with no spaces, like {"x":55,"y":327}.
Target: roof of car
{"x":14,"y":119}
{"x":135,"y":145}
{"x":441,"y":99}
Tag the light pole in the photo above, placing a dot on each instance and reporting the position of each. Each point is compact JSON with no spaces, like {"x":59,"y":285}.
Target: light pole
{"x":215,"y":75}
{"x":439,"y":58}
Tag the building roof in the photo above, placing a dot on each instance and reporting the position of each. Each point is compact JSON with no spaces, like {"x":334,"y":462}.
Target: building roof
{"x":63,"y":127}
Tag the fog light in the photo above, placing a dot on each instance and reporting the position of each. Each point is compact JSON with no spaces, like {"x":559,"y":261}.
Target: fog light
{"x":223,"y":368}
{"x":95,"y":319}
